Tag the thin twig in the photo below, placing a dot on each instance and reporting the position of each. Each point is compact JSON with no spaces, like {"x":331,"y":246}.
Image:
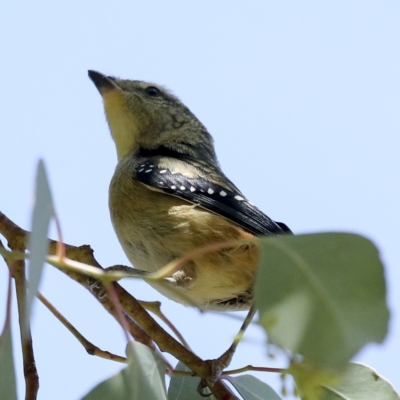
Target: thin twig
{"x":7,"y":319}
{"x":245,"y":325}
{"x":155,"y":308}
{"x":176,"y":372}
{"x":89,"y":347}
{"x":218,"y":365}
{"x":251,"y":368}
{"x":17,"y":268}
{"x":118,"y":309}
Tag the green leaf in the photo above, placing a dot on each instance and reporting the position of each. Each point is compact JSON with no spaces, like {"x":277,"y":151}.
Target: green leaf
{"x":7,"y":371}
{"x":143,"y":378}
{"x":310,"y":379}
{"x":38,"y":245}
{"x":322,"y":295}
{"x":185,"y":387}
{"x":251,"y":388}
{"x":360,"y":382}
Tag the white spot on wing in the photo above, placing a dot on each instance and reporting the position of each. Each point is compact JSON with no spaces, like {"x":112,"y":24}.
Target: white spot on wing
{"x":140,"y":170}
{"x":240,"y":198}
{"x":210,"y":191}
{"x":148,"y":170}
{"x":163,"y":171}
{"x":222,"y":193}
{"x":182,"y":188}
{"x":192,"y":189}
{"x":173,"y":187}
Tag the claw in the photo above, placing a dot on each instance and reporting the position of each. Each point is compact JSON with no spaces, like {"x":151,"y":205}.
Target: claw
{"x":180,"y":279}
{"x":95,"y":285}
{"x":91,"y":284}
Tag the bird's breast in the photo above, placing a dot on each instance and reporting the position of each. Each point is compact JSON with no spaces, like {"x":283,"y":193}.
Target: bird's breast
{"x":155,"y":228}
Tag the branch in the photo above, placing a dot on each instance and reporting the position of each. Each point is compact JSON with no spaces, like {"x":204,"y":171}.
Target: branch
{"x":141,"y":325}
{"x":88,"y":346}
{"x":17,"y":271}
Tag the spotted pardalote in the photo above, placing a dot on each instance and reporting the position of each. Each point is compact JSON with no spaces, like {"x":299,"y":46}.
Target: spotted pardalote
{"x":168,"y":197}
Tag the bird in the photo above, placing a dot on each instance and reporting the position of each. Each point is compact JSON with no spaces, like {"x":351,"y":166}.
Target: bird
{"x":168,"y":197}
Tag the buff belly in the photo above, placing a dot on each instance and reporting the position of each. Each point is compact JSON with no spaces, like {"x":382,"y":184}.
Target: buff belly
{"x":155,"y":229}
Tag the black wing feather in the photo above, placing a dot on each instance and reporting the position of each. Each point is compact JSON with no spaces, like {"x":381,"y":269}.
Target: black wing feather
{"x":213,"y":197}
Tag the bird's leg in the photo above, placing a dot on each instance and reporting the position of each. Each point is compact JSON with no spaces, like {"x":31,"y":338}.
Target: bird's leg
{"x":178,"y":279}
{"x":94,"y":284}
{"x":218,"y":365}
{"x":130,"y":271}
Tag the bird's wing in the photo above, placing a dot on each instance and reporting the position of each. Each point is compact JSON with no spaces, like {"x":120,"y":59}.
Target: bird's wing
{"x":230,"y":203}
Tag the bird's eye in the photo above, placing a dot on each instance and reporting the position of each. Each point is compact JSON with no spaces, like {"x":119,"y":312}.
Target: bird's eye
{"x":152,"y":91}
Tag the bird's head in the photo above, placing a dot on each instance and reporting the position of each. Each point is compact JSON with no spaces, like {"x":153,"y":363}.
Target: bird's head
{"x":143,"y":115}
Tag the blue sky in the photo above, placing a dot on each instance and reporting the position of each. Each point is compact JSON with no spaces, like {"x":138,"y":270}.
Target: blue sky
{"x":302,"y":99}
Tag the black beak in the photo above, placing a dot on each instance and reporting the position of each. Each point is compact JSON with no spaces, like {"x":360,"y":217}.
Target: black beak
{"x":102,"y":82}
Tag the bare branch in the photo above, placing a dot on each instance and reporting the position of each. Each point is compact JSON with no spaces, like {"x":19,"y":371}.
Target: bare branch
{"x":89,"y":347}
{"x":140,"y":324}
{"x":17,"y":270}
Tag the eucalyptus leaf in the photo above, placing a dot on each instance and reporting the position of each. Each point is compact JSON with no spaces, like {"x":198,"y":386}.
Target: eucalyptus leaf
{"x":251,"y":388}
{"x":360,"y":382}
{"x":143,"y":378}
{"x":38,"y":245}
{"x":322,"y":295}
{"x":7,"y":371}
{"x":185,"y":387}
